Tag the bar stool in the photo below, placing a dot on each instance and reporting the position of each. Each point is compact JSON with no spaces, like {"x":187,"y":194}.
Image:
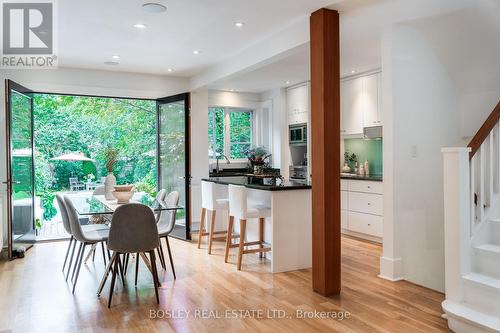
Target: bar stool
{"x":238,"y":209}
{"x":210,"y":204}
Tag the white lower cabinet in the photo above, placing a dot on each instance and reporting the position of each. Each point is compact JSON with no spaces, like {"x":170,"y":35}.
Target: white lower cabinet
{"x":365,"y":223}
{"x":362,"y":208}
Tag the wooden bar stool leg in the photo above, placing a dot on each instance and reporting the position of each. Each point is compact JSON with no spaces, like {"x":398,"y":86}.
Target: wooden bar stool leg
{"x":243,"y":227}
{"x":202,"y":226}
{"x":261,"y":236}
{"x":229,"y":237}
{"x":211,"y":234}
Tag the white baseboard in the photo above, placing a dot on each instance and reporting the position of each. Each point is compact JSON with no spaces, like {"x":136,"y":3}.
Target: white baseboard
{"x":391,"y":269}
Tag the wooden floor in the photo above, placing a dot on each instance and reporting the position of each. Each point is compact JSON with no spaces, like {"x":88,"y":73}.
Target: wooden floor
{"x":35,"y":298}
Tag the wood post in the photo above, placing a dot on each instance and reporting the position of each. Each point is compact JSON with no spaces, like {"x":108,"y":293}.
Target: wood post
{"x":325,"y":143}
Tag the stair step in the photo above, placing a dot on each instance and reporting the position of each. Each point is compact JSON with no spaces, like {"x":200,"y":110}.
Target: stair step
{"x":483,"y":279}
{"x":474,"y":318}
{"x":489,"y":248}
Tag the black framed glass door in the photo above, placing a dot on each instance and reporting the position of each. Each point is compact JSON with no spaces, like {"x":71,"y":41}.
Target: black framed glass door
{"x":20,"y":169}
{"x":173,"y":151}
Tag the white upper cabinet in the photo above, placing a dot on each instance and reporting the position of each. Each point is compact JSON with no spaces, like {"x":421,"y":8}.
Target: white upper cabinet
{"x":360,"y":104}
{"x":297,"y":104}
{"x":371,"y":99}
{"x":351,"y":92}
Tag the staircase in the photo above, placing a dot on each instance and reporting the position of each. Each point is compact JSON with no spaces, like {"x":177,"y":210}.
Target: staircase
{"x":472,"y":231}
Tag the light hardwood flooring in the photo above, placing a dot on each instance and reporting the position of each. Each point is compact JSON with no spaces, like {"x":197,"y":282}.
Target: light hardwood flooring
{"x":35,"y":298}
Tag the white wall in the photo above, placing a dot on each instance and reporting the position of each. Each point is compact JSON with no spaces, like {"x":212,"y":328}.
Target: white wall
{"x":79,"y":81}
{"x":474,"y":109}
{"x":420,"y":118}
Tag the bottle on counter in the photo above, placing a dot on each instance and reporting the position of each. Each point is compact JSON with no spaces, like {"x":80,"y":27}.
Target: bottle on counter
{"x":367,"y":168}
{"x":356,"y":168}
{"x":361,"y":170}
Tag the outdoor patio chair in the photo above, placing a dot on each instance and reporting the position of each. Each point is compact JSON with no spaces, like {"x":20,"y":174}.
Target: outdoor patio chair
{"x":75,"y":185}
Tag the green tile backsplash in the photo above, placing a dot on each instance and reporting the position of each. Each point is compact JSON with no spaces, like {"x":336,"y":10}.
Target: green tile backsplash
{"x":366,"y":149}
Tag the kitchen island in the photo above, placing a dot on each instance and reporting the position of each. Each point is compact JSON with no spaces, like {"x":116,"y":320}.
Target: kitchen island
{"x":288,"y":230}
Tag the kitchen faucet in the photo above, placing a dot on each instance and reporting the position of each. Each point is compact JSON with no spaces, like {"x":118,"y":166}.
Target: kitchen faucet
{"x":218,"y":157}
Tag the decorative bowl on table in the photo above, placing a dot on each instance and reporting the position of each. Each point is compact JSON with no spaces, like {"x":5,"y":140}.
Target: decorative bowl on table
{"x":124,"y":188}
{"x":123,"y":193}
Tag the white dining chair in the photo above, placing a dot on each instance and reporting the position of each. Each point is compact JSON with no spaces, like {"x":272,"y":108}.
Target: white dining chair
{"x":239,"y":209}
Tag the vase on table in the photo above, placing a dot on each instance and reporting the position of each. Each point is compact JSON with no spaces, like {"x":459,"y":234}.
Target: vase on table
{"x":109,"y":186}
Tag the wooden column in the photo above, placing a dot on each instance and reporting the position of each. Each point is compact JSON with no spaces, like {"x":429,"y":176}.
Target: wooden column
{"x":325,"y":133}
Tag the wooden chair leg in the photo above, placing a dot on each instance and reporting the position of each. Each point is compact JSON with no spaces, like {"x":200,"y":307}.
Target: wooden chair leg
{"x":212,"y":229}
{"x":136,"y":267}
{"x":154,"y":272}
{"x":243,"y":227}
{"x":170,"y":256}
{"x":109,"y":267}
{"x":229,"y":236}
{"x":202,"y":226}
{"x":261,"y":236}
{"x":115,"y":260}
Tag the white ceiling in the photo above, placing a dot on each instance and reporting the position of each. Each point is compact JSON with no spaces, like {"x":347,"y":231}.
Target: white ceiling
{"x":105,"y":28}
{"x":362,"y":25}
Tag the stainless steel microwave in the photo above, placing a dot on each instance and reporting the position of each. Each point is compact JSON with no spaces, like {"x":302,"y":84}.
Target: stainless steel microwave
{"x":297,"y":134}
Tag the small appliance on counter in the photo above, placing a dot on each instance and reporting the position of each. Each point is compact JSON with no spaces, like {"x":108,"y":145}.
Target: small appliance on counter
{"x":298,"y":173}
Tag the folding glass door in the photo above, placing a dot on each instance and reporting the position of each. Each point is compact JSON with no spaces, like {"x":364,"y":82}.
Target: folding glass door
{"x":173,"y":156}
{"x":20,"y":168}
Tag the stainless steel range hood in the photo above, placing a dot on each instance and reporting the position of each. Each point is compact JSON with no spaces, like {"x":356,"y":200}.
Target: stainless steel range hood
{"x":373,"y":132}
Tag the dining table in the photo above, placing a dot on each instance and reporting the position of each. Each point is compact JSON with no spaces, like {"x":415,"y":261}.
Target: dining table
{"x":87,"y":204}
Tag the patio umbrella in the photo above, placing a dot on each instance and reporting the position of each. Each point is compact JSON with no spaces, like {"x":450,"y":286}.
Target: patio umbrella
{"x":72,"y":157}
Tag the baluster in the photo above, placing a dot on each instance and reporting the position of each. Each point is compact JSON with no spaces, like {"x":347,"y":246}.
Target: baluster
{"x":490,"y":167}
{"x":482,"y":155}
{"x":473,"y":215}
{"x":497,"y":159}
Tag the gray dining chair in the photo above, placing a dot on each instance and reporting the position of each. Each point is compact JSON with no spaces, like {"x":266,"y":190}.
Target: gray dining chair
{"x":86,"y":237}
{"x":67,"y":227}
{"x":166,"y":224}
{"x":133,"y":230}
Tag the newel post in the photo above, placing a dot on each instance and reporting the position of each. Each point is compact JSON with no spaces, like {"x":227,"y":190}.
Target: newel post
{"x":457,"y":205}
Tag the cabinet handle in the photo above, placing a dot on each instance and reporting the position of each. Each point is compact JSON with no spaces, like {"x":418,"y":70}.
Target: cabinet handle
{"x":368,"y":186}
{"x":369,"y":204}
{"x":369,"y":224}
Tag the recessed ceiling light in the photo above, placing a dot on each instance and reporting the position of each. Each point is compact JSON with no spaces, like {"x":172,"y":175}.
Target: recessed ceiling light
{"x":153,"y":7}
{"x":116,"y":56}
{"x":170,"y":70}
{"x":239,"y":24}
{"x":353,"y":71}
{"x":111,"y":63}
{"x":233,"y":90}
{"x":196,"y":52}
{"x":140,"y":26}
{"x":287,"y":82}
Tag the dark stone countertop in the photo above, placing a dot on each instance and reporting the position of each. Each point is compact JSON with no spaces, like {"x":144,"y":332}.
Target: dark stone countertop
{"x":286,"y":185}
{"x":376,"y":178}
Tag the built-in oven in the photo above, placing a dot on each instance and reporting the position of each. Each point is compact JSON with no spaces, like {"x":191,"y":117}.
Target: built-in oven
{"x":298,"y":134}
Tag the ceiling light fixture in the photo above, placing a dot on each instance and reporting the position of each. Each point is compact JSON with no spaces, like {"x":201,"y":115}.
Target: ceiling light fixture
{"x":116,"y":56}
{"x":239,"y":24}
{"x":170,"y":70}
{"x":196,"y":52}
{"x":153,"y":7}
{"x":232,"y":90}
{"x":287,"y":82}
{"x":111,"y":63}
{"x":353,"y":71}
{"x":140,"y":26}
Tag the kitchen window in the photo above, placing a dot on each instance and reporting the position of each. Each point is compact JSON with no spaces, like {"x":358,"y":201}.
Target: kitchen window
{"x":230,"y":132}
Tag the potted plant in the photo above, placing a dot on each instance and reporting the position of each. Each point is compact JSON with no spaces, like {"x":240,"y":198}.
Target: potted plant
{"x":257,"y":158}
{"x":110,"y":182}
